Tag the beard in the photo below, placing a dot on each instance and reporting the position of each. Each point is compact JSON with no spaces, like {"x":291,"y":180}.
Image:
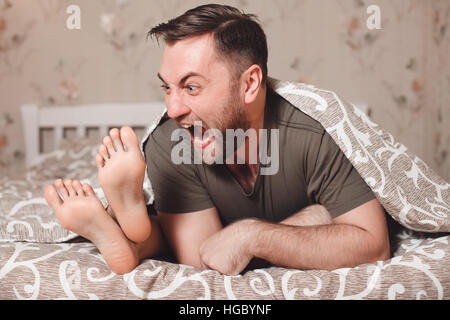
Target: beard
{"x":232,"y":117}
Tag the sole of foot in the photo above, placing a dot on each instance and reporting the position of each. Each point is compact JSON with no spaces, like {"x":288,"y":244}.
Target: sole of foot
{"x":79,"y":210}
{"x":121,"y":171}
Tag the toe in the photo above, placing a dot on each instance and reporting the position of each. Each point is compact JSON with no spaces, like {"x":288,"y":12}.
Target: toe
{"x":107,"y":142}
{"x":99,"y":160}
{"x":61,"y":188}
{"x":129,"y":139}
{"x":115,"y":136}
{"x":88,"y":190}
{"x":103,"y":151}
{"x":52,"y":197}
{"x":77,"y":186}
{"x":69,"y":187}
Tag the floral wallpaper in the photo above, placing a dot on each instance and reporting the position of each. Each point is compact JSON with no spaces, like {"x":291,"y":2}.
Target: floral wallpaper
{"x":401,"y":70}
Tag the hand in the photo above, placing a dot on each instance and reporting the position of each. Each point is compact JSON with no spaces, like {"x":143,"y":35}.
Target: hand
{"x":228,"y":251}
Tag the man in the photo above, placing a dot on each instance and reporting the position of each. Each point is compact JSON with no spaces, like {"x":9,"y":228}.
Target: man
{"x":314,"y":212}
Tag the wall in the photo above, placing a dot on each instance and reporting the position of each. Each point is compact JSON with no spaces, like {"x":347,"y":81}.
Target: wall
{"x":402,"y":70}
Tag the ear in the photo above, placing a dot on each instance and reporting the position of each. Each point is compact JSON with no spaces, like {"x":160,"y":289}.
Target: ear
{"x":253,"y":80}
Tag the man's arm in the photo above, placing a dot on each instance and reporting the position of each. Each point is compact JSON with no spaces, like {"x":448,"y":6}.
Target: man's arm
{"x":186,"y":232}
{"x":356,"y":237}
{"x":313,"y":215}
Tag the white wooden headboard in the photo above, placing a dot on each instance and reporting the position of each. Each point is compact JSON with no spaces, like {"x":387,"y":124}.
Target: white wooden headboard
{"x":99,"y":116}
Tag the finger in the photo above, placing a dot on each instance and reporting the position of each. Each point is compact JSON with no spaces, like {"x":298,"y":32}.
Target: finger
{"x":203,"y":263}
{"x":205,"y":266}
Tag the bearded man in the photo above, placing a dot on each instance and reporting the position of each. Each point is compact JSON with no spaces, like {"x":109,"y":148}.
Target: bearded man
{"x":313,"y":212}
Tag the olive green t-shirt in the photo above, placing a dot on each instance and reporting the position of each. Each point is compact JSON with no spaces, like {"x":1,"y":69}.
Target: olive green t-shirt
{"x":312,"y":170}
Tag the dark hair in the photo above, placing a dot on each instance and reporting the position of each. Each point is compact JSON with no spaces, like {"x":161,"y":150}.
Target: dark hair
{"x":238,"y":36}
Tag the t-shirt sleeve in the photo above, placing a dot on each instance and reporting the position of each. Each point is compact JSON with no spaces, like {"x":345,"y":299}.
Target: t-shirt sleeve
{"x":334,"y":182}
{"x":176,"y":188}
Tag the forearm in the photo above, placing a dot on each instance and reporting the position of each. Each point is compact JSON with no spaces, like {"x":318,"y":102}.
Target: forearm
{"x":309,"y":216}
{"x":325,"y":247}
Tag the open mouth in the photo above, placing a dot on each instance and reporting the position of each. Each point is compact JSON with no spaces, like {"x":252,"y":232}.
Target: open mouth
{"x":201,"y":138}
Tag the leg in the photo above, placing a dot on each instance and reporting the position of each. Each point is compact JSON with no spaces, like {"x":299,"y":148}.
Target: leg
{"x":153,"y":246}
{"x":121,"y":171}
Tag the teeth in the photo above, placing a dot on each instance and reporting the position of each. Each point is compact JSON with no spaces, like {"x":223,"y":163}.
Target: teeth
{"x":204,"y":137}
{"x":199,"y":141}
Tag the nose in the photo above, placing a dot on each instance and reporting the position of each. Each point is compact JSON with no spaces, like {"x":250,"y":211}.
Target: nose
{"x":175,"y":106}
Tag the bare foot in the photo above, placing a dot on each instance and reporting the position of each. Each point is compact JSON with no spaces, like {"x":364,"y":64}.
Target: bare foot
{"x":81,"y":211}
{"x":121,"y":171}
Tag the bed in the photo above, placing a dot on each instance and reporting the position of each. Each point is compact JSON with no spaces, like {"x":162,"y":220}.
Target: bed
{"x":41,"y":260}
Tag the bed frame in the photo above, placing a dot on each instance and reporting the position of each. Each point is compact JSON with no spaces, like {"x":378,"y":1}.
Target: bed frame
{"x":81,"y":118}
{"x":100,"y":117}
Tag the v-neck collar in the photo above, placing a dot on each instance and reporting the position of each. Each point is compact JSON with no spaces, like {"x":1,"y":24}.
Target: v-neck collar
{"x":268,"y":119}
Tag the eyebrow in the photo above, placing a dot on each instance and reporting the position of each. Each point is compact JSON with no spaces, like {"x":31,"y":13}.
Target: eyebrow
{"x":183,"y":80}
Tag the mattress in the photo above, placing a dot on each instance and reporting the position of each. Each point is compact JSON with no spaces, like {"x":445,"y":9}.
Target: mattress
{"x":41,"y":260}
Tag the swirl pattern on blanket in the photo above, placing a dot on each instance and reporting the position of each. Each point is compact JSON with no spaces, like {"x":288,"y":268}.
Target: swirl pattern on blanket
{"x":78,"y":271}
{"x":411,"y":192}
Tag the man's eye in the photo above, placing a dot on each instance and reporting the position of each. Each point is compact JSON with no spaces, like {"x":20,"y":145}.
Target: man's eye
{"x":192,"y":88}
{"x":165,"y":88}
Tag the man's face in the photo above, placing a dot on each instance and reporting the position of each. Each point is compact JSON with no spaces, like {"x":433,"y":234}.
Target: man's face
{"x":200,"y":87}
